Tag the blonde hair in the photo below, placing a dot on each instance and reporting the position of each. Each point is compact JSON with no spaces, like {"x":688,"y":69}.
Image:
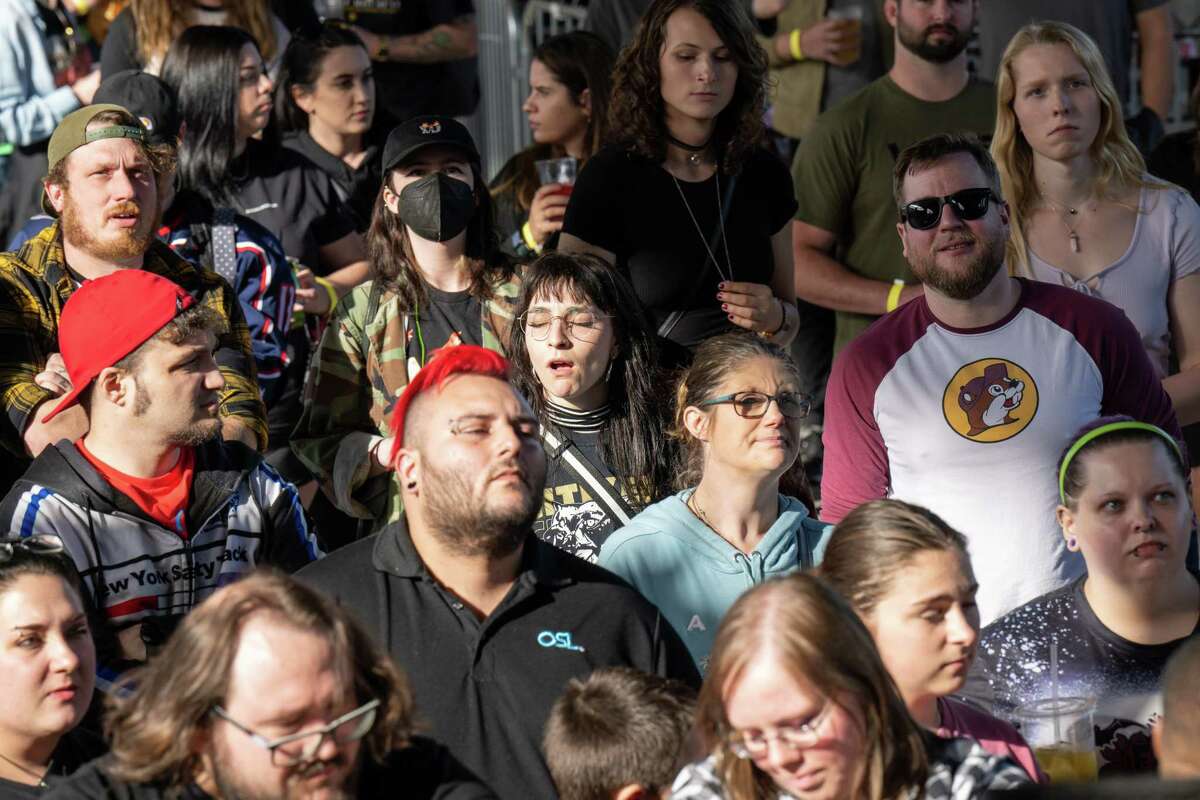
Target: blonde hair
{"x":819,"y":639}
{"x":1120,"y":164}
{"x":159,"y":22}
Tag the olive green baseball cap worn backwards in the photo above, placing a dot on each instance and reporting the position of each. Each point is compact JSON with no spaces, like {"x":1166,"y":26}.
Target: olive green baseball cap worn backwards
{"x":72,"y":133}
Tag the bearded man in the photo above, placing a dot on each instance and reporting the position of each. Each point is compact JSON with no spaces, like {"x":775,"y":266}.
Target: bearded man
{"x":963,"y":400}
{"x":488,"y":621}
{"x":104,"y":185}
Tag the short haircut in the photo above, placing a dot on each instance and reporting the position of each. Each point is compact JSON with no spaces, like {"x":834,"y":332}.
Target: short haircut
{"x":617,"y":727}
{"x":1181,"y":706}
{"x":927,"y":152}
{"x":465,"y":359}
{"x":161,"y":708}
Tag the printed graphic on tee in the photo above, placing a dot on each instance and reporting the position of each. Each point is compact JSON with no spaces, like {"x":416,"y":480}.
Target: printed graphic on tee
{"x":990,"y":400}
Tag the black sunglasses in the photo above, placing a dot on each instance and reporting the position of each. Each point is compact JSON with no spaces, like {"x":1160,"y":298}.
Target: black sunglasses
{"x":968,"y":204}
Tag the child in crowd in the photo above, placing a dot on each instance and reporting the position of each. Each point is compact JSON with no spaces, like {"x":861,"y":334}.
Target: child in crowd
{"x":619,"y":734}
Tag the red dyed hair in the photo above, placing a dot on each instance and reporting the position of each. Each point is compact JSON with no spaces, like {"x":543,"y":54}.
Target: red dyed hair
{"x":465,"y":359}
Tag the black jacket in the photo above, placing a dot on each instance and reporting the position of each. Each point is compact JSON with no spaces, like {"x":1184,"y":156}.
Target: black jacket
{"x":487,"y":687}
{"x":422,"y":771}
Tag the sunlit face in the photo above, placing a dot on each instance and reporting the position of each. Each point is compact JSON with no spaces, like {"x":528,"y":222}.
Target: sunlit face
{"x":554,"y":115}
{"x":475,"y":463}
{"x":1133,"y":518}
{"x":1057,"y":107}
{"x":698,"y":74}
{"x":426,"y":161}
{"x":342,"y":98}
{"x":766,"y":696}
{"x":254,"y":93}
{"x":174,"y":390}
{"x":570,"y":366}
{"x":109,"y":205}
{"x":957,"y":258}
{"x":283,"y":681}
{"x":755,"y":446}
{"x":47,"y":658}
{"x":926,"y":624}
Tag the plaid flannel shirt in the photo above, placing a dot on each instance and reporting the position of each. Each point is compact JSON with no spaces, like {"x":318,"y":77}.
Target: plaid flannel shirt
{"x":34,"y":287}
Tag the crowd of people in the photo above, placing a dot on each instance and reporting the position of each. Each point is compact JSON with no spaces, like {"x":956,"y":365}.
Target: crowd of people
{"x":336,"y":467}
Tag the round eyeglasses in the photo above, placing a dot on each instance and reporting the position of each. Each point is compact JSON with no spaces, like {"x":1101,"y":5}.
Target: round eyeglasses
{"x":580,"y":324}
{"x":299,"y":748}
{"x":753,"y":405}
{"x":797,"y":735}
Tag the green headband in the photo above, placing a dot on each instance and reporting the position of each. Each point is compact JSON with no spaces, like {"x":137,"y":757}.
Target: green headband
{"x":1096,"y":433}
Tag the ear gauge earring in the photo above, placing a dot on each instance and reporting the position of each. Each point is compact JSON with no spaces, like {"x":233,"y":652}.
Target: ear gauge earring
{"x":1072,"y":543}
{"x":411,"y":485}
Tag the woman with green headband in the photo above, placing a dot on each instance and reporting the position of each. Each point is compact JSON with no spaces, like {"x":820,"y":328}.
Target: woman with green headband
{"x":1125,"y":506}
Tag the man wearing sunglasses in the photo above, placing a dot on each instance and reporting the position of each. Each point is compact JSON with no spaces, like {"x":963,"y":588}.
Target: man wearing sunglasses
{"x":270,"y":691}
{"x":963,"y":399}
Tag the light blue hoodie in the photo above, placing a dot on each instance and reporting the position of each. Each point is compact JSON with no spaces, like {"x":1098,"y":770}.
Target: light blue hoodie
{"x":693,"y":575}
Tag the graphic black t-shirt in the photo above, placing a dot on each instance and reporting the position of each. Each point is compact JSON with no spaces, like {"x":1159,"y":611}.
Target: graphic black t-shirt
{"x":447,"y":319}
{"x":571,"y":518}
{"x":405,"y":90}
{"x":1013,"y":667}
{"x":633,"y":208}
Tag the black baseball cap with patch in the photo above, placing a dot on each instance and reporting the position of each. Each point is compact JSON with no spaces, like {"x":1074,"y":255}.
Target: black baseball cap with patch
{"x":421,"y":132}
{"x":72,"y":133}
{"x":148,"y":98}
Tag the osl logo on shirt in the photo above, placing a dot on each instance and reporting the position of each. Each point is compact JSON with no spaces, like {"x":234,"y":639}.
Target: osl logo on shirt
{"x":558,"y":639}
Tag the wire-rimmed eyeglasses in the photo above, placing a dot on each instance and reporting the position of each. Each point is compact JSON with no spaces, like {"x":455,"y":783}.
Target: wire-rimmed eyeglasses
{"x":298,"y":748}
{"x":38,"y":544}
{"x":581,"y":324}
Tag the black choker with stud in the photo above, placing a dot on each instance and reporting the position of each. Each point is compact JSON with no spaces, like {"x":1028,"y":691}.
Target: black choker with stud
{"x":694,"y":150}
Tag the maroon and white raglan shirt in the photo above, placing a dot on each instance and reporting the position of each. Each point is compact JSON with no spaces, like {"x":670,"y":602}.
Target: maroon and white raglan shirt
{"x":970,"y":424}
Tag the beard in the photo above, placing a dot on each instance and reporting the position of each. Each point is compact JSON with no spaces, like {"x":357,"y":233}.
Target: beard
{"x":230,"y":786}
{"x":919,"y":44}
{"x":191,"y":435}
{"x":967,"y":283}
{"x":473,"y":528}
{"x":125,"y":244}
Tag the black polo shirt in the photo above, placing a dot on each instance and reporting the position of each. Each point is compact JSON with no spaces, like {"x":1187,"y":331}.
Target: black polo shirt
{"x":486,"y":687}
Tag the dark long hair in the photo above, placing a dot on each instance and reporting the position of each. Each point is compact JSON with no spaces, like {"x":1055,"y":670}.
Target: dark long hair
{"x":202,"y":69}
{"x":637,"y":117}
{"x":301,"y":65}
{"x":633,"y":444}
{"x":391,"y":253}
{"x":580,"y":61}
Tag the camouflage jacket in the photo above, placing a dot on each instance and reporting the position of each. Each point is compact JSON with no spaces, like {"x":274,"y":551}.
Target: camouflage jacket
{"x":360,"y":368}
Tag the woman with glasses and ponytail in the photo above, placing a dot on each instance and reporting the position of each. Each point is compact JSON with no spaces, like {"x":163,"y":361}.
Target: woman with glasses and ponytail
{"x":1086,"y":213}
{"x":584,"y":354}
{"x":440,"y":280}
{"x":734,"y":524}
{"x":798,"y":705}
{"x":1125,"y":506}
{"x":48,"y":660}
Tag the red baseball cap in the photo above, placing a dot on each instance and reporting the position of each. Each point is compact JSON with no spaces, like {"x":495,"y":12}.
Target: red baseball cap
{"x":108,"y":318}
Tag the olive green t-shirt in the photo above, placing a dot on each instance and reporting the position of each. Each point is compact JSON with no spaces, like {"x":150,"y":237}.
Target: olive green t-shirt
{"x":843,"y":173}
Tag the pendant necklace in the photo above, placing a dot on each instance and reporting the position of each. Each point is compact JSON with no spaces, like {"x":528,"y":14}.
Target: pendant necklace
{"x":41,"y":781}
{"x":694,"y":150}
{"x":1068,"y":213}
{"x":700,"y":232}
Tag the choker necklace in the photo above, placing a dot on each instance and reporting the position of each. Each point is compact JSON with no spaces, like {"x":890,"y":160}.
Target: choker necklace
{"x":41,"y":781}
{"x":694,"y":150}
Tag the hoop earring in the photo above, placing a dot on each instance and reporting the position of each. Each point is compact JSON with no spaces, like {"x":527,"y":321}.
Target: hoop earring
{"x":608,"y":372}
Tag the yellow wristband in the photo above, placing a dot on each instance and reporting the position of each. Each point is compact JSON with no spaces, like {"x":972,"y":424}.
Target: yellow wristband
{"x":893,"y":299}
{"x":328,"y":286}
{"x":794,"y":45}
{"x":527,"y":235}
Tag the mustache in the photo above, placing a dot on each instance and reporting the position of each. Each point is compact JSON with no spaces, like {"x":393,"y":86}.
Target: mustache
{"x":942,"y":28}
{"x":128,"y":207}
{"x":510,"y":466}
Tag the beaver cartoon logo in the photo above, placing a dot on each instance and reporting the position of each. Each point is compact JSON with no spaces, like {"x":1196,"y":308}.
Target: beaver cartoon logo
{"x":990,"y":400}
{"x":428,"y":128}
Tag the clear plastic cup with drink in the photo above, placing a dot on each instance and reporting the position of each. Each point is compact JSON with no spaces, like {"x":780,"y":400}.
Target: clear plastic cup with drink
{"x":1063,"y":737}
{"x":558,"y":170}
{"x":851,"y":17}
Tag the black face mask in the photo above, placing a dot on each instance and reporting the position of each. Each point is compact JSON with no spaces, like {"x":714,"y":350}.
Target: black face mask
{"x":437,"y":207}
